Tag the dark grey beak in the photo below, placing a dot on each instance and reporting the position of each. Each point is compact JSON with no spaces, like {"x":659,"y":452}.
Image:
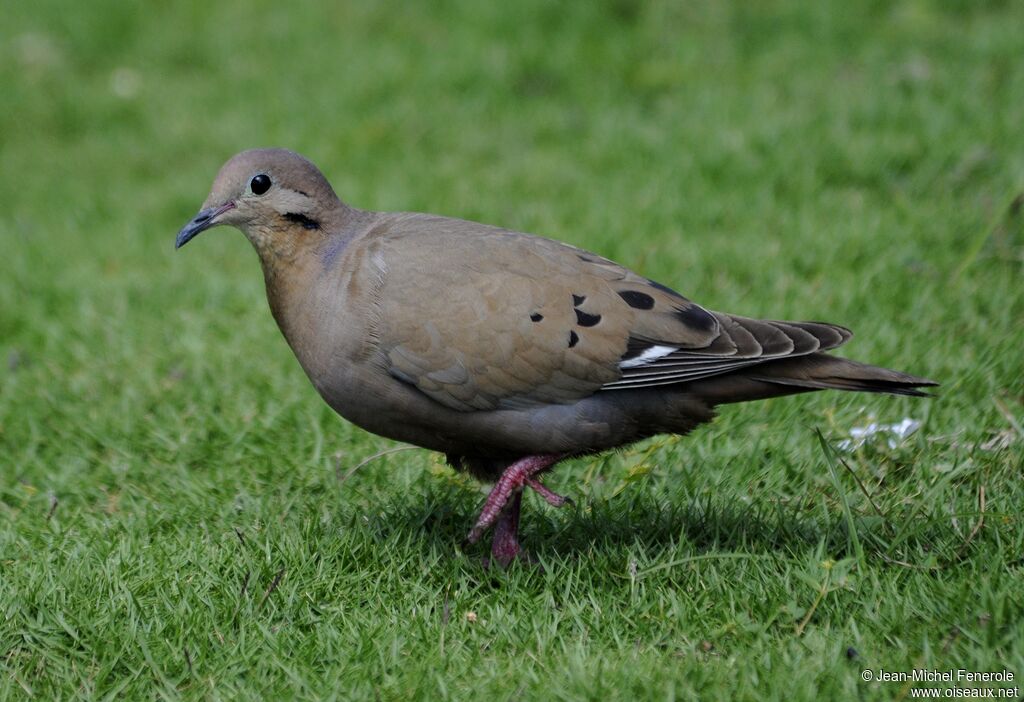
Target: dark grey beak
{"x":201,"y":222}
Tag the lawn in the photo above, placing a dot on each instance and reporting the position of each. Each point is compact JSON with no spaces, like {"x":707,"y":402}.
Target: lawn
{"x":181,"y":517}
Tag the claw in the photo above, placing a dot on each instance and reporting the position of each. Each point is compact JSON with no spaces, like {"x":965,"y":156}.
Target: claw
{"x":553,"y":499}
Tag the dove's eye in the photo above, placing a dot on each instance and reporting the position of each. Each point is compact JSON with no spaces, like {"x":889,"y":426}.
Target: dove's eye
{"x":260,"y":184}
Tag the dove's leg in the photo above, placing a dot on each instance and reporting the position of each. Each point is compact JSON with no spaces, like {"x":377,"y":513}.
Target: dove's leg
{"x":505,"y":546}
{"x":502,"y":505}
{"x":541,"y":489}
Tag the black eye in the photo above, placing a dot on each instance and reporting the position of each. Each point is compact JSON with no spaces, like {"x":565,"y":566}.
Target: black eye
{"x":260,"y":184}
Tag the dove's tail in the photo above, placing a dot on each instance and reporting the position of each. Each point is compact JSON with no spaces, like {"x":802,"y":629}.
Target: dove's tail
{"x":816,"y":371}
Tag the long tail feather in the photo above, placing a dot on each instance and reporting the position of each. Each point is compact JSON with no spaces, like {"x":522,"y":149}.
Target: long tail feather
{"x":817,"y":371}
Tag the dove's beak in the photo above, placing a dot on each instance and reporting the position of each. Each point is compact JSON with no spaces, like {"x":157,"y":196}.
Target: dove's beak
{"x":201,"y":222}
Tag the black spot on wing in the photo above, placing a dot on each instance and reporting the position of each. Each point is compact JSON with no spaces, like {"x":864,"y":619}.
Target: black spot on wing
{"x":637,"y":299}
{"x":587,"y":320}
{"x":536,"y":317}
{"x":574,"y":339}
{"x":665,"y":288}
{"x":695,"y":317}
{"x":577,"y":300}
{"x":303,"y":220}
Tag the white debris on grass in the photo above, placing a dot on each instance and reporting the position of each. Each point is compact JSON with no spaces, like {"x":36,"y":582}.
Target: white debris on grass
{"x":895,"y":433}
{"x":125,"y":82}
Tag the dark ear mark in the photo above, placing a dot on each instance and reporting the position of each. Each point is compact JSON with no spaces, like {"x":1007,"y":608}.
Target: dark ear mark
{"x":301,"y":219}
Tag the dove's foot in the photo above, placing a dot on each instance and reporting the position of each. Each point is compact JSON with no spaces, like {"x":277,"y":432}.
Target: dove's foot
{"x":501,"y":510}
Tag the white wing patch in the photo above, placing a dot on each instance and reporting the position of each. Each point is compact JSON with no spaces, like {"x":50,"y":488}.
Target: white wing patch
{"x":648,"y":356}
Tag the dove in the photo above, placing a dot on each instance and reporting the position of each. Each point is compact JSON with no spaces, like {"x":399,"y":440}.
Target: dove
{"x":507,"y":352}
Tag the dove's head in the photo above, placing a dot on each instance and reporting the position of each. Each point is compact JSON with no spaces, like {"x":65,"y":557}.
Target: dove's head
{"x":278,"y":199}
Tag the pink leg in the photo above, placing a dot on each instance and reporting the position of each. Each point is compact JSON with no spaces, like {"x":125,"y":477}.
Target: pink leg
{"x":541,"y":489}
{"x":505,"y":546}
{"x":511,"y":482}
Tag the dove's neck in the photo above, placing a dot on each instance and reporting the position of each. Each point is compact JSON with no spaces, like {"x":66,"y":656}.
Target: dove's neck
{"x":292,"y":255}
{"x":287,"y":279}
{"x":309,"y":289}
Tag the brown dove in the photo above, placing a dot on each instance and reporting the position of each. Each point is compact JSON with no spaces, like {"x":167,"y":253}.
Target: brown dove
{"x":505,"y":351}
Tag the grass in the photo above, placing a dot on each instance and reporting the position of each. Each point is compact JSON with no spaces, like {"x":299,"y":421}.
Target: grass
{"x":172,"y":522}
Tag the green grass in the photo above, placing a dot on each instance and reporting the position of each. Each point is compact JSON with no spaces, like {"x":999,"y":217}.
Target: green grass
{"x":172,"y":524}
